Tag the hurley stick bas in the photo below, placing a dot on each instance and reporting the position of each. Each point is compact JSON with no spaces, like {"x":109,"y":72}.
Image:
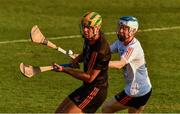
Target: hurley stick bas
{"x":37,"y":37}
{"x":29,"y":71}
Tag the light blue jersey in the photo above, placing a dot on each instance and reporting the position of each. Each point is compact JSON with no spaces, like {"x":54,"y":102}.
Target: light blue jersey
{"x":135,"y":71}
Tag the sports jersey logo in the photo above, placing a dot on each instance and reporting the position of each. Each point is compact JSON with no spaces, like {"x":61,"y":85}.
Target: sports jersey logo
{"x":77,"y":98}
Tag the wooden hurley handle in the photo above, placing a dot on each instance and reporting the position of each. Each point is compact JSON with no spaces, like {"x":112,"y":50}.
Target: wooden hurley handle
{"x":46,"y":68}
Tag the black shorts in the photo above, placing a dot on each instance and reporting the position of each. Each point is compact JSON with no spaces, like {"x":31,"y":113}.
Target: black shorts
{"x":135,"y":102}
{"x":89,"y":98}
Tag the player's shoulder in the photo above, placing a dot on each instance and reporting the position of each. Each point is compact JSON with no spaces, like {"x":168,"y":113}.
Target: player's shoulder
{"x":134,"y":43}
{"x":103,"y":42}
{"x":135,"y":46}
{"x":104,"y":47}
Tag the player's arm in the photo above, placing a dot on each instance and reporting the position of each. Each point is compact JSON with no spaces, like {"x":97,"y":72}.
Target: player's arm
{"x":87,"y":77}
{"x":126,"y":57}
{"x":117,"y":64}
{"x":79,"y":58}
{"x":75,"y":62}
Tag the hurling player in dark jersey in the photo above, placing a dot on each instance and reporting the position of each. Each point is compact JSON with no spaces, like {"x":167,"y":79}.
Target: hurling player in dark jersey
{"x":95,"y":57}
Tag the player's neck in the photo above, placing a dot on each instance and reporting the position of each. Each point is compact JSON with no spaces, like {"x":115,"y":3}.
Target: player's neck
{"x":128,"y":40}
{"x":96,"y":37}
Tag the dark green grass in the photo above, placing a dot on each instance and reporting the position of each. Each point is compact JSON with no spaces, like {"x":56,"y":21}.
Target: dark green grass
{"x":162,"y":56}
{"x":44,"y":92}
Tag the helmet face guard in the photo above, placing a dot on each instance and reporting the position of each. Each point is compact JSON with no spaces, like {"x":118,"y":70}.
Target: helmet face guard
{"x":91,"y":19}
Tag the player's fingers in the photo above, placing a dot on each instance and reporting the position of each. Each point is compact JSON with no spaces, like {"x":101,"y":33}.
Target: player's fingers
{"x":57,"y":67}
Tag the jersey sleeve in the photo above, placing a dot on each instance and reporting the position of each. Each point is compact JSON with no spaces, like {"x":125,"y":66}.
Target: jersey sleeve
{"x":129,"y":54}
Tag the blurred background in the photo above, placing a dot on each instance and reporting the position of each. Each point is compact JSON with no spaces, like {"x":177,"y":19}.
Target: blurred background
{"x":61,"y":18}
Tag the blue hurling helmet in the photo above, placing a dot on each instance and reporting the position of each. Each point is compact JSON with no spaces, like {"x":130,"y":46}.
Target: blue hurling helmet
{"x":129,"y":21}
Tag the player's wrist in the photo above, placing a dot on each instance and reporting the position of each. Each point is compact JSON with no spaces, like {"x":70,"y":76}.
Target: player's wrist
{"x":62,"y":68}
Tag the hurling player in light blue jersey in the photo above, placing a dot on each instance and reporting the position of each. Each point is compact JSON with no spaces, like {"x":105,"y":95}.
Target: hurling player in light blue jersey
{"x":138,"y":86}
